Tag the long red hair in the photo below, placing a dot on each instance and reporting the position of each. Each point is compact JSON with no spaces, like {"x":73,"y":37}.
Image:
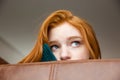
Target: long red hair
{"x":56,"y":18}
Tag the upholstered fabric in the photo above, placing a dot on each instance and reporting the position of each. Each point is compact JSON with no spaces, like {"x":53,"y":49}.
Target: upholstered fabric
{"x":63,"y":70}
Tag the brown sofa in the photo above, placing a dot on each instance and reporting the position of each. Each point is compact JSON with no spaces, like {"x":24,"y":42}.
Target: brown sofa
{"x":63,"y":70}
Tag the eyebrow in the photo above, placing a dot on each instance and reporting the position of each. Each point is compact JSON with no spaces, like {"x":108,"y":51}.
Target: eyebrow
{"x":51,"y":42}
{"x":74,"y":37}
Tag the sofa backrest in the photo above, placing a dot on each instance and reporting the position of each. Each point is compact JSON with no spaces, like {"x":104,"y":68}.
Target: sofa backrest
{"x":63,"y":70}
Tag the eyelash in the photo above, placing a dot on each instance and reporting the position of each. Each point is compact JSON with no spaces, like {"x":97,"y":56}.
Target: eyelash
{"x":78,"y":43}
{"x":52,"y":47}
{"x":72,"y":44}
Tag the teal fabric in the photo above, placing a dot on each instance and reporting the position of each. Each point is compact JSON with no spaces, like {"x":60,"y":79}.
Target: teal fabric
{"x":47,"y":54}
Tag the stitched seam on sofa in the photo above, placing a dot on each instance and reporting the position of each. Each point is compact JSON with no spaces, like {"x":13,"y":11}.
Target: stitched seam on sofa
{"x":51,"y":72}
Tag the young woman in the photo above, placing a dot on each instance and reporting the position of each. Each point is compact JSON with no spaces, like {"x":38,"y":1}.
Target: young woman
{"x":69,"y":37}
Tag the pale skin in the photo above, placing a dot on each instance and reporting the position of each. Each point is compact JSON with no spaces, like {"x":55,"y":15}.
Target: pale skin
{"x":66,"y":43}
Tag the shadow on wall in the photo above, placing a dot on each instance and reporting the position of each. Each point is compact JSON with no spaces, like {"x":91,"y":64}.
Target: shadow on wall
{"x":118,"y":3}
{"x":1,"y":3}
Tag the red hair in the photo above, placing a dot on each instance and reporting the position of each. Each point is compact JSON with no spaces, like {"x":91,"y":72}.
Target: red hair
{"x":59,"y":17}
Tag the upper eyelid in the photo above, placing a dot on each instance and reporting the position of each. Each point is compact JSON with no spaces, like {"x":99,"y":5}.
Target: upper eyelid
{"x":75,"y":42}
{"x":70,"y":42}
{"x":54,"y":43}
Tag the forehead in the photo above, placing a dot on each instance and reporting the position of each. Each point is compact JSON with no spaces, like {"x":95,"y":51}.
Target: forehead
{"x":64,"y":30}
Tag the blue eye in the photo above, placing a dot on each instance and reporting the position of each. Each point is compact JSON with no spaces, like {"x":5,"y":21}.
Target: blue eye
{"x":75,"y":44}
{"x":54,"y":47}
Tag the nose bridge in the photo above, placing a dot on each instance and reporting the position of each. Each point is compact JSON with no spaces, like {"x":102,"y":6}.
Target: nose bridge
{"x":64,"y":51}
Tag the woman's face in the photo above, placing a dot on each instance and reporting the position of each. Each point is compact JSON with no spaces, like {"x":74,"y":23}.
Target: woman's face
{"x":66,"y":43}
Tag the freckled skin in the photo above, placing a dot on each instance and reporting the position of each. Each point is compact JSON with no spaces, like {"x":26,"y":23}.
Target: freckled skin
{"x":66,"y":43}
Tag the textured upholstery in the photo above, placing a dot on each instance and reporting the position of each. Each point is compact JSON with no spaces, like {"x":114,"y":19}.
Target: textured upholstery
{"x":63,"y":70}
